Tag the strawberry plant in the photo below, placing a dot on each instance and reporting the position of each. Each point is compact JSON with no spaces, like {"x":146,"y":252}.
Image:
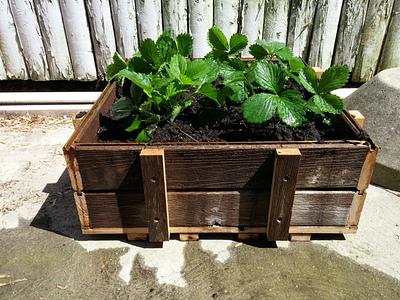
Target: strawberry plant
{"x":161,"y":82}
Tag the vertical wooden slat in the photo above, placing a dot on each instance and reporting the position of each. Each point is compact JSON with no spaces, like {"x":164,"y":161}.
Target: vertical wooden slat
{"x":324,"y":33}
{"x":125,"y":29}
{"x":276,"y":16}
{"x":373,"y":34}
{"x":300,"y":26}
{"x":54,"y":40}
{"x":174,"y":16}
{"x":155,"y":192}
{"x":252,"y":21}
{"x":284,"y":179}
{"x":390,"y":55}
{"x":9,"y":45}
{"x":149,"y":19}
{"x":3,"y":74}
{"x":200,"y":21}
{"x":30,"y":38}
{"x":226,"y":14}
{"x":102,"y":33}
{"x":349,"y":32}
{"x":78,"y":37}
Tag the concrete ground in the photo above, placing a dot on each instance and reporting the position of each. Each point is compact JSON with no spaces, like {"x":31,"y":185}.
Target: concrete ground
{"x":43,"y":255}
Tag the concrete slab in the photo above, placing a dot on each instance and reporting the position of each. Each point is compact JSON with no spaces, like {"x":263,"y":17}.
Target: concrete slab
{"x":43,"y":255}
{"x":379,"y":101}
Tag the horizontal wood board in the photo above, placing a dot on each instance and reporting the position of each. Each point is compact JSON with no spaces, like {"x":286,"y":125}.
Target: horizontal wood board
{"x":228,"y":208}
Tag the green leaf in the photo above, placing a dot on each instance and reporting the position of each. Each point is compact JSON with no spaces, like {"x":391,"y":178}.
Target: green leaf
{"x":150,"y":53}
{"x":135,"y":125}
{"x":269,"y":76}
{"x":258,"y":51}
{"x":235,"y":91}
{"x":260,"y":107}
{"x":333,"y":78}
{"x":202,"y":71}
{"x":184,"y":42}
{"x":141,"y":80}
{"x":139,"y":65}
{"x":166,"y":46}
{"x":209,"y":91}
{"x":237,"y":43}
{"x":325,"y":103}
{"x":117,"y":65}
{"x":136,"y":93}
{"x":296,"y":64}
{"x":308,"y":79}
{"x":177,"y":66}
{"x":122,"y":108}
{"x":217,"y":39}
{"x":145,"y":135}
{"x":291,"y":108}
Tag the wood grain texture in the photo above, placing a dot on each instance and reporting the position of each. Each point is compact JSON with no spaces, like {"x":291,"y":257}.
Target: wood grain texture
{"x":286,"y":168}
{"x":155,"y":193}
{"x":349,"y":32}
{"x":102,"y":31}
{"x":78,"y":36}
{"x":200,"y":21}
{"x":226,"y":15}
{"x":372,"y":37}
{"x":207,"y":168}
{"x":367,"y":170}
{"x":3,"y":74}
{"x":54,"y":40}
{"x":356,"y":209}
{"x":300,"y":27}
{"x":149,"y":21}
{"x":390,"y":55}
{"x":30,"y":38}
{"x":216,"y":209}
{"x":276,"y":16}
{"x":174,"y":16}
{"x":324,"y":33}
{"x":300,"y":237}
{"x":252,"y":21}
{"x":10,"y":48}
{"x":82,"y":210}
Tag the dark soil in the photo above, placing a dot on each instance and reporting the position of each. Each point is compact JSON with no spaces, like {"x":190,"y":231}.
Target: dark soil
{"x":229,"y":126}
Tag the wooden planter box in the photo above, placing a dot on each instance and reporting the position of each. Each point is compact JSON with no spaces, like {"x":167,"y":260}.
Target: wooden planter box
{"x":282,"y":189}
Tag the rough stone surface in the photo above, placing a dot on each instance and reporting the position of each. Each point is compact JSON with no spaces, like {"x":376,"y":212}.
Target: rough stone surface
{"x":379,"y":101}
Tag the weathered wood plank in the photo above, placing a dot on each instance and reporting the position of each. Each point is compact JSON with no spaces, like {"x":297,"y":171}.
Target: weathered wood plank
{"x":300,"y":26}
{"x":349,"y":32}
{"x":102,"y":32}
{"x":226,"y":14}
{"x":30,"y":38}
{"x":155,"y":193}
{"x":78,"y":37}
{"x":188,"y":237}
{"x":324,"y":33}
{"x":54,"y":40}
{"x":300,"y":237}
{"x":215,"y":209}
{"x":390,"y":55}
{"x":356,"y":209}
{"x":252,"y":21}
{"x":373,"y":34}
{"x":125,"y":28}
{"x":149,"y":19}
{"x":10,"y":48}
{"x":200,"y":21}
{"x":367,"y":170}
{"x":82,"y":210}
{"x":136,"y":236}
{"x":276,"y":16}
{"x":174,"y":16}
{"x":3,"y":74}
{"x":358,"y":117}
{"x":286,"y":168}
{"x":314,"y":208}
{"x":323,"y":167}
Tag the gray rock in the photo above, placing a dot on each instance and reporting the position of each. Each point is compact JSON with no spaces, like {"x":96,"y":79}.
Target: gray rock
{"x":379,"y":101}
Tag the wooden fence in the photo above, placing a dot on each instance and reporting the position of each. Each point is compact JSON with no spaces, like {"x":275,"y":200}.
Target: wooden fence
{"x":75,"y":39}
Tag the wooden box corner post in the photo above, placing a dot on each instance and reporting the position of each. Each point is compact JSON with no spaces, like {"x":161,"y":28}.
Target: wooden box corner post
{"x":155,"y":193}
{"x":286,"y":167}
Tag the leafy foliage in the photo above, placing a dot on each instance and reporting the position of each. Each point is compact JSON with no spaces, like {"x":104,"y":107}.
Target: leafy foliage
{"x":161,"y":81}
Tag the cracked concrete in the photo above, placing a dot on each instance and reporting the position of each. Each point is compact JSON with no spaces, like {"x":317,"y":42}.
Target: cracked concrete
{"x":43,"y":254}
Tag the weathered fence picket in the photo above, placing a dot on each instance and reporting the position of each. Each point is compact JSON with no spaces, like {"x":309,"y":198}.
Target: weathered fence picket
{"x":149,"y":19}
{"x":276,"y":16}
{"x":200,"y":20}
{"x":252,"y":21}
{"x":174,"y":16}
{"x":226,"y":15}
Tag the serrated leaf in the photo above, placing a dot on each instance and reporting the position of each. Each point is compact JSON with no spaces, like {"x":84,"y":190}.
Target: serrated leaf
{"x":258,"y":51}
{"x":141,"y":80}
{"x":177,"y":66}
{"x":333,"y":78}
{"x":308,"y":79}
{"x":184,"y":43}
{"x":217,"y":39}
{"x":209,"y":91}
{"x":150,"y":53}
{"x":202,"y":71}
{"x":326,"y":103}
{"x":235,"y":91}
{"x":139,"y":65}
{"x":145,"y":135}
{"x":135,"y":125}
{"x":260,"y":107}
{"x":237,"y":43}
{"x":166,"y":46}
{"x":122,"y":108}
{"x":269,"y":76}
{"x":296,"y":64}
{"x":117,"y":65}
{"x":291,"y":108}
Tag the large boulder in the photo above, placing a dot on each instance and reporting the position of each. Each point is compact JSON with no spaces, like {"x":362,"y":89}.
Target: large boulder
{"x":379,"y":101}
